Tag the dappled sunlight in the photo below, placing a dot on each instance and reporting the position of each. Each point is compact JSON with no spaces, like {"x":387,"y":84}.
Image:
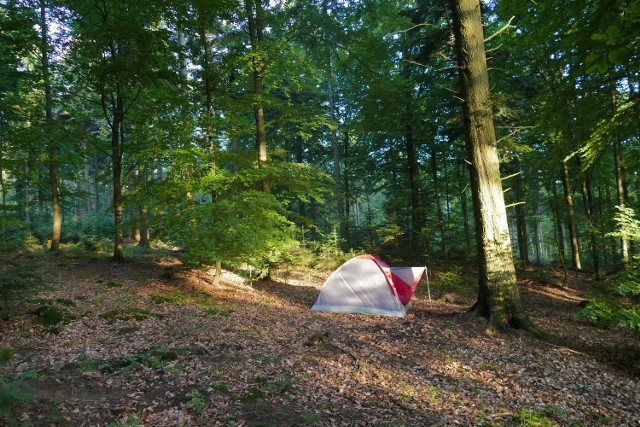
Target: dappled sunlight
{"x":555,"y":292}
{"x":257,"y":354}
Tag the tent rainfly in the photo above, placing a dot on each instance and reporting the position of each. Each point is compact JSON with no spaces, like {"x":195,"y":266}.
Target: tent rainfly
{"x":366,"y":284}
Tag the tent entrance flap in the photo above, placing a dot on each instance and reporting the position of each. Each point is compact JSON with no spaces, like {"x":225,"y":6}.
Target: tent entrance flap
{"x":366,"y":284}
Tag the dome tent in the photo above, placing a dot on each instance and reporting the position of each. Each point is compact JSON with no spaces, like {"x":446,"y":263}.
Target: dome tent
{"x":366,"y":284}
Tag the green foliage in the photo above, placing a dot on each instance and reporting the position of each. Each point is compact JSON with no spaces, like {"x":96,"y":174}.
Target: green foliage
{"x":450,"y":280}
{"x":131,"y":421}
{"x":526,"y":418}
{"x":135,"y":313}
{"x":6,"y":354}
{"x":15,"y":391}
{"x":154,"y":358}
{"x":196,"y":401}
{"x":619,"y":304}
{"x":328,"y":252}
{"x":15,"y":284}
{"x":186,"y":296}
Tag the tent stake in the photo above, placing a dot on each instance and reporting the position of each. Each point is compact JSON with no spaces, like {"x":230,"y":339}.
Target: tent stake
{"x":426,"y":272}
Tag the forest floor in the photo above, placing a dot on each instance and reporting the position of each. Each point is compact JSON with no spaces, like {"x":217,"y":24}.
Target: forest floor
{"x":146,"y":343}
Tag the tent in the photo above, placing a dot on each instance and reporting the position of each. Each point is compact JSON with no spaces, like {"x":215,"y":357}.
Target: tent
{"x":366,"y":284}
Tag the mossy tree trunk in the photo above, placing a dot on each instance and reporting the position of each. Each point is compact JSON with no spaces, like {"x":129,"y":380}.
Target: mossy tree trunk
{"x":498,"y":296}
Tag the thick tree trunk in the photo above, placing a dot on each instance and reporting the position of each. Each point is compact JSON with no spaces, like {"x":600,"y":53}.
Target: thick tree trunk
{"x":498,"y":296}
{"x":51,"y":146}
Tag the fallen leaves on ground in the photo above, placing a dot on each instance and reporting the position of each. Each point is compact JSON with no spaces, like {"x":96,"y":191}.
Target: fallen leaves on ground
{"x":143,"y":347}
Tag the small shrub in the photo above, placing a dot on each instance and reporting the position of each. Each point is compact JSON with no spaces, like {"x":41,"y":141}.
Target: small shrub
{"x":16,"y":391}
{"x":6,"y":354}
{"x":196,"y":401}
{"x":15,"y":283}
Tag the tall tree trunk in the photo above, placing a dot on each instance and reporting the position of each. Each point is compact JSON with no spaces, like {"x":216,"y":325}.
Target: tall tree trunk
{"x":620,"y":184}
{"x":436,"y":197}
{"x":347,"y":194}
{"x":51,"y":145}
{"x":414,"y":187}
{"x":96,"y":183}
{"x":521,"y":223}
{"x":498,"y":295}
{"x":465,"y":215}
{"x":143,"y":214}
{"x":337,"y":173}
{"x":254,"y":12}
{"x":560,"y":240}
{"x":571,"y":217}
{"x":587,"y":195}
{"x":116,"y":163}
{"x":299,"y":149}
{"x":537,"y":235}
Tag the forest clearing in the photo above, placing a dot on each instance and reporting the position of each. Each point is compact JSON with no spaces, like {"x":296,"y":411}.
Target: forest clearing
{"x":146,"y":343}
{"x":230,"y":155}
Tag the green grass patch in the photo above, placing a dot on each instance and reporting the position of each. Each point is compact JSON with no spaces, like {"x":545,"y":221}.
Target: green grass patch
{"x":6,"y":354}
{"x":52,"y":317}
{"x":134,"y":313}
{"x":16,"y":391}
{"x":155,"y":358}
{"x":184,"y":296}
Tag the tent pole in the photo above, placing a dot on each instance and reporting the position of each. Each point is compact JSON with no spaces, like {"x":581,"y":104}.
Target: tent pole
{"x":426,"y":272}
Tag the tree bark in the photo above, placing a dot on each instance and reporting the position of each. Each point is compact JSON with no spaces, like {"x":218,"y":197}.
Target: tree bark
{"x":337,"y":173}
{"x":587,"y":195}
{"x":498,"y":295}
{"x":256,"y":38}
{"x":347,"y":194}
{"x":620,"y":183}
{"x":571,"y":220}
{"x":436,"y":196}
{"x":51,"y":145}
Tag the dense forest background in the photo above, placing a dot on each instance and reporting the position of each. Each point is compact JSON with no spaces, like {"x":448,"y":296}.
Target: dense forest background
{"x":241,"y":131}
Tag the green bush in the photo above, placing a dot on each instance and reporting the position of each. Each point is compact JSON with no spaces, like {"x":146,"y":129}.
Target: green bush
{"x":619,"y":302}
{"x":15,"y":283}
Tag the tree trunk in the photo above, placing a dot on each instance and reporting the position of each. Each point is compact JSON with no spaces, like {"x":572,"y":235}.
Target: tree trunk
{"x":96,"y":183}
{"x":498,"y":295}
{"x":414,"y":187}
{"x":337,"y":175}
{"x":537,"y":235}
{"x":436,"y":196}
{"x":256,"y":38}
{"x":116,"y":163}
{"x":571,"y":218}
{"x":465,"y":215}
{"x":620,"y":184}
{"x":587,"y":195}
{"x":521,"y":218}
{"x":51,"y":145}
{"x":347,"y":194}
